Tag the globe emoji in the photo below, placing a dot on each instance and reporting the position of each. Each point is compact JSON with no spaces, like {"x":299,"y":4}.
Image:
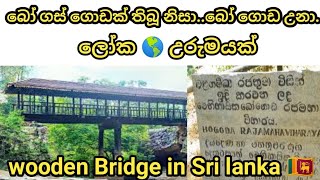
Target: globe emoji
{"x":152,"y":46}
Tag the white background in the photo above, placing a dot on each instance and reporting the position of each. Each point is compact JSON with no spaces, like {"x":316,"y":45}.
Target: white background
{"x":57,"y":44}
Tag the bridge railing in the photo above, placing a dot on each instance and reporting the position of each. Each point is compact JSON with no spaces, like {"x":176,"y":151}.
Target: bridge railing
{"x":100,"y":110}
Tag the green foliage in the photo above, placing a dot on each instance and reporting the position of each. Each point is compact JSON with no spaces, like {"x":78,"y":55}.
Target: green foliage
{"x":17,"y":142}
{"x":133,"y":83}
{"x":6,"y":107}
{"x":224,"y":68}
{"x":80,"y":142}
{"x":74,"y":141}
{"x":135,"y":142}
{"x":13,"y":73}
{"x":83,"y":79}
{"x":104,"y":82}
{"x":14,"y":120}
{"x":107,"y":82}
{"x":192,"y":69}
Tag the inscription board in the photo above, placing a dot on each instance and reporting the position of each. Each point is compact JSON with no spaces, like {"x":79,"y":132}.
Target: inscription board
{"x":275,"y":115}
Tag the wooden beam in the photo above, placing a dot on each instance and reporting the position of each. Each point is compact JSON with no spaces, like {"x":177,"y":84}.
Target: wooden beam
{"x":100,"y":142}
{"x":67,"y":119}
{"x":118,"y":113}
{"x":173,"y":113}
{"x":168,"y":110}
{"x":19,"y":101}
{"x":29,"y":103}
{"x":34,"y":103}
{"x":139,"y":109}
{"x":73,"y":106}
{"x":105,"y":107}
{"x":157,"y":109}
{"x":97,"y":106}
{"x":53,"y":106}
{"x":47,"y":104}
{"x":80,"y":113}
{"x":149,"y":110}
{"x":117,"y":140}
{"x":22,"y":102}
{"x":128,"y":109}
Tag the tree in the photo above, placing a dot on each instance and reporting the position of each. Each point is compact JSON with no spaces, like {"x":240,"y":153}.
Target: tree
{"x":83,"y":79}
{"x":105,"y":82}
{"x":19,"y":143}
{"x":13,"y":73}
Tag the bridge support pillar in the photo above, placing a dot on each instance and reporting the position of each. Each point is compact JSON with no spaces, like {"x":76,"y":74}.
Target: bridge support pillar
{"x":117,"y":141}
{"x":100,"y":142}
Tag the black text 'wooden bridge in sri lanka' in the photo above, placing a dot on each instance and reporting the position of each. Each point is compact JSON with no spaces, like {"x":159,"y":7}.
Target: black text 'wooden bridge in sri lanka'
{"x":53,"y":101}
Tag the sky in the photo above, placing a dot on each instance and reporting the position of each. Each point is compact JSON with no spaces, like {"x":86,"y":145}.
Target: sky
{"x":158,"y":77}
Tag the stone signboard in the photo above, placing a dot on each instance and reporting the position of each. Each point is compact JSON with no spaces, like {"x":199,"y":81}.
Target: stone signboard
{"x":275,"y":115}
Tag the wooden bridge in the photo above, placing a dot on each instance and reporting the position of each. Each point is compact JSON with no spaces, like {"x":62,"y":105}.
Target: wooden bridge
{"x":52,"y":101}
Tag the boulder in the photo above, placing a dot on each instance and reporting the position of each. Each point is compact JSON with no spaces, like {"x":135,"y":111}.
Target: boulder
{"x":168,"y":141}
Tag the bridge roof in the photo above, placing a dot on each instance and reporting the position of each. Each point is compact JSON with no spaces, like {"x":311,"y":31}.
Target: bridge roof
{"x":90,"y":90}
